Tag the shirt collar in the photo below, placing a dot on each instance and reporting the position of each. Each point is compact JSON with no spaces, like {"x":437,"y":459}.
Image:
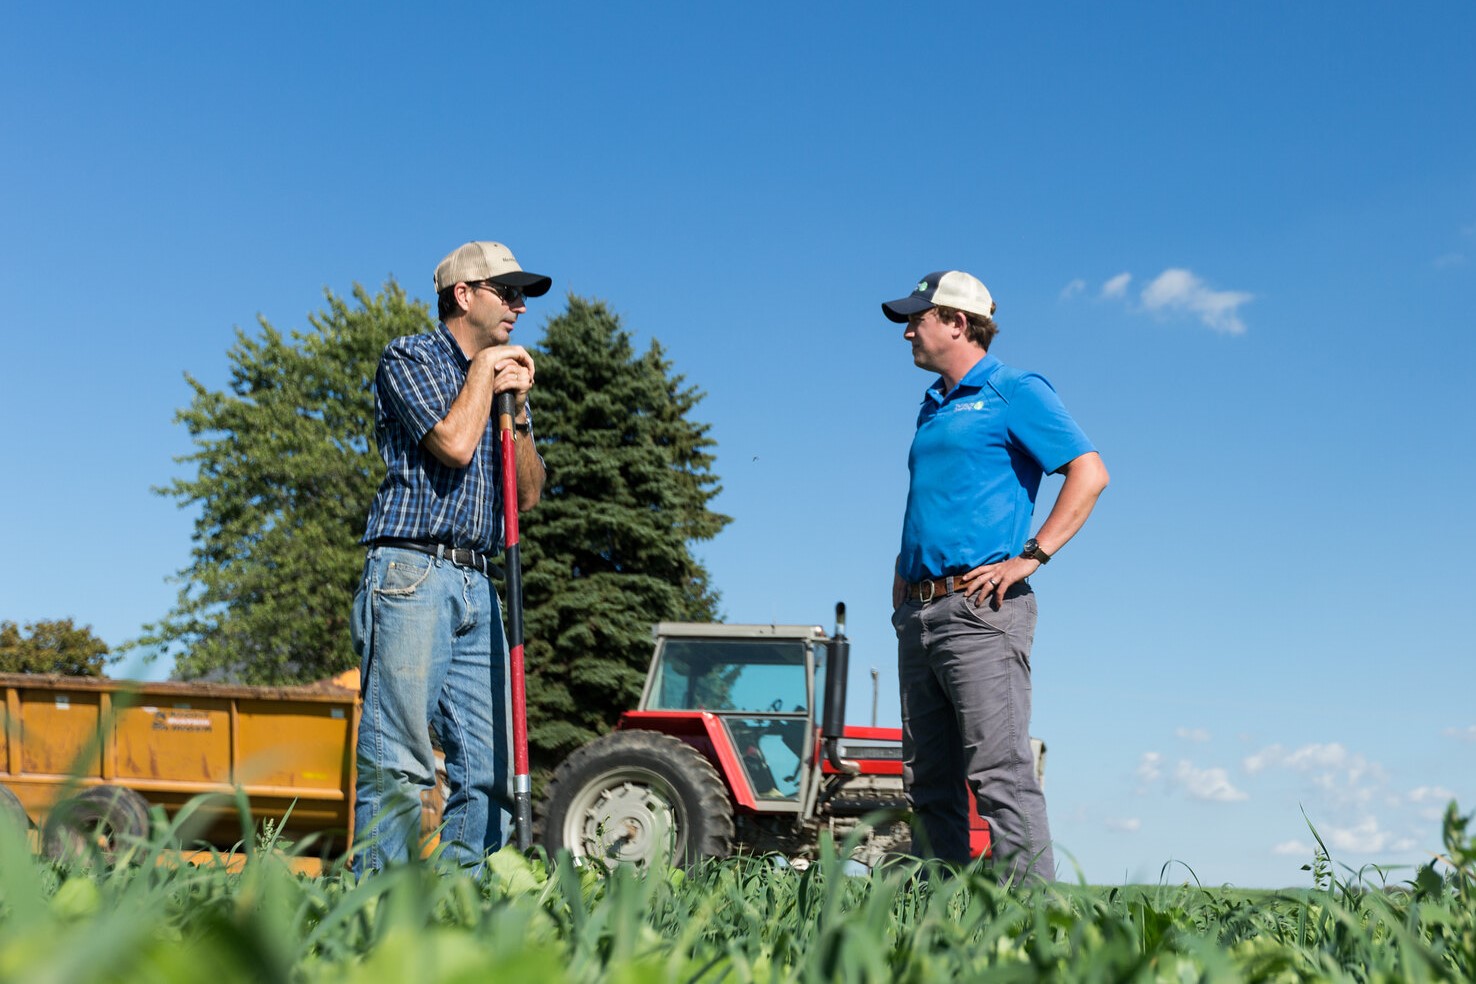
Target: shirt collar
{"x":973,"y":379}
{"x":453,"y":347}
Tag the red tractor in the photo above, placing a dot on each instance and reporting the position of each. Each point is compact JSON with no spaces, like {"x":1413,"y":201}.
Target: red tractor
{"x":727,"y":753}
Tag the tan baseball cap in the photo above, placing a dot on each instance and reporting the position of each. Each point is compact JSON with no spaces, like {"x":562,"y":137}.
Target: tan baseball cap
{"x":945,"y":288}
{"x":488,"y":261}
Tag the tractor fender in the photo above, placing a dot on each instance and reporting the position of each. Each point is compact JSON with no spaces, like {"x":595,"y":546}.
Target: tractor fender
{"x":704,"y":732}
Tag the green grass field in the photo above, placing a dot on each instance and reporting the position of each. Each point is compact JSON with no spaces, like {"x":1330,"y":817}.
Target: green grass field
{"x":136,"y":919}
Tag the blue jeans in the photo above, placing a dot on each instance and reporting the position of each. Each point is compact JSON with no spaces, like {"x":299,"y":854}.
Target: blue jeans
{"x":432,"y":654}
{"x":964,"y":675}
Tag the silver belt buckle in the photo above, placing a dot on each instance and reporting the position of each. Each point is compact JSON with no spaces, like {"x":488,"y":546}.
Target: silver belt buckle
{"x":932,"y":586}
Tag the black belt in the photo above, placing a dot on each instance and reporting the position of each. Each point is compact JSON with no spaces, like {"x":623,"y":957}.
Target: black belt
{"x":460,"y":556}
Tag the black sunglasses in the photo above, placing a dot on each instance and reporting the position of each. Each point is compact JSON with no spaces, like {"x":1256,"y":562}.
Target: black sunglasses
{"x":511,"y":296}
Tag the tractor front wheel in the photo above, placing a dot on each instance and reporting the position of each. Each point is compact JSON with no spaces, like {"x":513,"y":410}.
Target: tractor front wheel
{"x":637,"y":797}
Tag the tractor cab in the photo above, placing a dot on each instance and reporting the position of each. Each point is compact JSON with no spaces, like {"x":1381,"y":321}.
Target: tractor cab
{"x":759,"y":683}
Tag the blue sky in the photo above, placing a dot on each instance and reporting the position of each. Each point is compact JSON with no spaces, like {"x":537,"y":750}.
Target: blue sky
{"x":1240,"y":240}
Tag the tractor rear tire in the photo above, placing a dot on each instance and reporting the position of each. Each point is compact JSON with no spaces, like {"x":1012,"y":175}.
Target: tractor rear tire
{"x":640,"y":798}
{"x":100,"y":822}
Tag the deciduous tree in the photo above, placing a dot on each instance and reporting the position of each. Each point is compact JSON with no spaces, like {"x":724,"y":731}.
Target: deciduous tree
{"x":285,"y":466}
{"x":51,"y":647}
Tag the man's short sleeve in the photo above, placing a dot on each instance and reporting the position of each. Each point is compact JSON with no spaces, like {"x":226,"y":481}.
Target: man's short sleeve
{"x":1041,"y":426}
{"x":416,"y":388}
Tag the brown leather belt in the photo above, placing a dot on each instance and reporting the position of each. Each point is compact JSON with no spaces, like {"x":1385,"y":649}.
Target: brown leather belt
{"x":933,"y":587}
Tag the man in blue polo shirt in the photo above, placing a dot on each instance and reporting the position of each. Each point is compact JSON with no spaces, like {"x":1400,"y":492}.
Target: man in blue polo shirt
{"x":963,"y":608}
{"x":427,"y":623}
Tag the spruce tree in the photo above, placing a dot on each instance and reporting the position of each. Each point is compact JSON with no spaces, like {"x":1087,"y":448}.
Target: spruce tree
{"x":607,"y":553}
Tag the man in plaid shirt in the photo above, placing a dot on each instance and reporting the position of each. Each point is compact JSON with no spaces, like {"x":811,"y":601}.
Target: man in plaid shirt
{"x":427,"y":623}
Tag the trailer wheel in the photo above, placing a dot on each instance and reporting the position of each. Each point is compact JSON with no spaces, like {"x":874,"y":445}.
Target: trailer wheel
{"x":13,"y":811}
{"x":637,"y":797}
{"x":98,"y":822}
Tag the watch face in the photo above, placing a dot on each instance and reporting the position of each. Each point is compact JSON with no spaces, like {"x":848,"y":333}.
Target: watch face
{"x":1030,"y":547}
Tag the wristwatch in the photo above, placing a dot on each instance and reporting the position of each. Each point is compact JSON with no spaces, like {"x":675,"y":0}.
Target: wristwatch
{"x":1032,"y":551}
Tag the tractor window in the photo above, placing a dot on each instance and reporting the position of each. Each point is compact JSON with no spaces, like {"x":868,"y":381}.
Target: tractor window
{"x":754,"y":675}
{"x":772,"y":752}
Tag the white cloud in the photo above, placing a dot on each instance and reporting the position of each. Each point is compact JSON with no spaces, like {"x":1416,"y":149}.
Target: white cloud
{"x":1150,"y":767}
{"x":1310,"y":758}
{"x":1072,"y":289}
{"x":1176,"y":290}
{"x":1330,"y":756}
{"x":1293,"y":847}
{"x":1126,"y":825}
{"x":1117,"y":286}
{"x":1433,"y":799}
{"x":1468,"y":733}
{"x":1212,"y":784}
{"x":1192,"y":734}
{"x":1364,"y":837}
{"x":1345,"y":777}
{"x":1264,"y":759}
{"x":1447,"y":261}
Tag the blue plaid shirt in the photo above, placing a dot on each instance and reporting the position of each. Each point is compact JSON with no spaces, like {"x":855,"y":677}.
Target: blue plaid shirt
{"x":420,"y":498}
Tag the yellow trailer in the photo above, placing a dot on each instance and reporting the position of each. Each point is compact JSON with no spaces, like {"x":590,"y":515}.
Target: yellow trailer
{"x":100,"y":752}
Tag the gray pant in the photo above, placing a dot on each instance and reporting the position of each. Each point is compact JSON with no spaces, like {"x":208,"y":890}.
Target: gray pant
{"x":964,"y":673}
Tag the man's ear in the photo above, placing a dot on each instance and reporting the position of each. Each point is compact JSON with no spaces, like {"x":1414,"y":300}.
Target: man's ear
{"x":463,"y":293}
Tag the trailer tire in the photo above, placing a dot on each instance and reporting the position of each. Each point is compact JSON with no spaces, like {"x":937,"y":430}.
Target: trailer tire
{"x":13,"y":811}
{"x":100,"y":822}
{"x":637,"y":797}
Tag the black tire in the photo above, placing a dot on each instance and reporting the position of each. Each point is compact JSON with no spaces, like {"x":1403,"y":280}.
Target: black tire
{"x":98,"y":822}
{"x":637,"y":797}
{"x":13,"y":812}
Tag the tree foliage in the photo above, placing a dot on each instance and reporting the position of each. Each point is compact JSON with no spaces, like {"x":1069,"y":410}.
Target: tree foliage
{"x":51,"y":647}
{"x":608,"y":551}
{"x":285,"y":470}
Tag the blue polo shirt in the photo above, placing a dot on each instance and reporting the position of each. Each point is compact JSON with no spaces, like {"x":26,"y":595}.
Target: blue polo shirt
{"x":976,"y":463}
{"x":419,"y":377}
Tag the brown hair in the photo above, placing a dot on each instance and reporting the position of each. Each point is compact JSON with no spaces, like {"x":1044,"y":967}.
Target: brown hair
{"x":980,"y":330}
{"x":446,"y":304}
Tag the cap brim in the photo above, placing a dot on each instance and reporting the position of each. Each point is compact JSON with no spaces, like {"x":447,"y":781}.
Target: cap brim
{"x":533,"y":284}
{"x":900,"y":310}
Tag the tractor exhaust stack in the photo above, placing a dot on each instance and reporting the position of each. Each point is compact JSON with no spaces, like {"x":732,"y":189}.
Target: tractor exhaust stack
{"x":833,"y":725}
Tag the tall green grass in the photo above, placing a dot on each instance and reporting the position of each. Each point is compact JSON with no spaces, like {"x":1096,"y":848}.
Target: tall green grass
{"x":141,"y":918}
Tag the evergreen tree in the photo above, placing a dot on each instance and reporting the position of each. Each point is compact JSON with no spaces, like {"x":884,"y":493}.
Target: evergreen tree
{"x":51,"y":647}
{"x":608,"y":550}
{"x":286,"y":468}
